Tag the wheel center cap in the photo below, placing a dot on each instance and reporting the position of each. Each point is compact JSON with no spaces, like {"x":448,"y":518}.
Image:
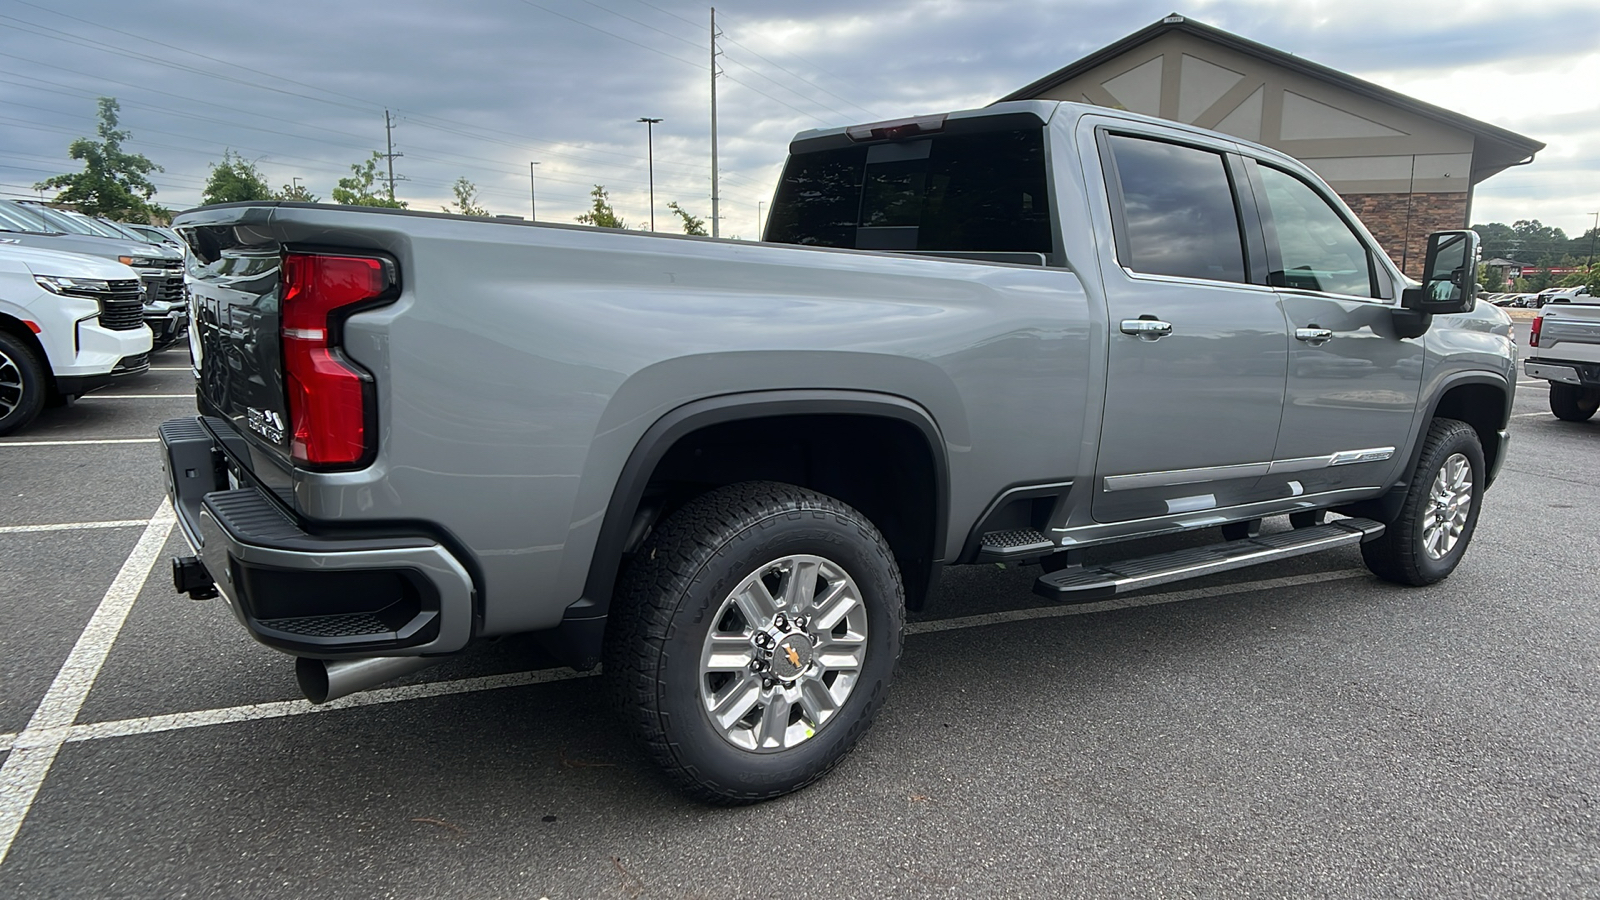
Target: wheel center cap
{"x":791,"y":656}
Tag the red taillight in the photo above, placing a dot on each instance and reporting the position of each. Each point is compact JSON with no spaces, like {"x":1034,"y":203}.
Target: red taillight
{"x":1533,"y":336}
{"x":330,"y":402}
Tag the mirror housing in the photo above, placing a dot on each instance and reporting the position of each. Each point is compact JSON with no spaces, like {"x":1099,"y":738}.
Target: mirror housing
{"x":1450,"y":275}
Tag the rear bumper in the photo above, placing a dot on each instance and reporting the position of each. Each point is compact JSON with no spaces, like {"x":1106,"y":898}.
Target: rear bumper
{"x":1586,"y":374}
{"x":322,"y":595}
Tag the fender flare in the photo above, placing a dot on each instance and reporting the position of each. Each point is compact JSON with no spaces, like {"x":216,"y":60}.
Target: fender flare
{"x":660,"y":437}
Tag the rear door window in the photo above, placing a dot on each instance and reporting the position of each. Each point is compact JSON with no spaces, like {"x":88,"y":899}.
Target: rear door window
{"x":984,"y":192}
{"x":1177,"y":212}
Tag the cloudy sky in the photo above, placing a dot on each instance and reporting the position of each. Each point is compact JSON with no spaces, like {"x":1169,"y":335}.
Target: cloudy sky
{"x":481,"y":88}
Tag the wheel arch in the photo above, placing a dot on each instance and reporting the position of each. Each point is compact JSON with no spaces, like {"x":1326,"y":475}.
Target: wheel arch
{"x":14,"y":326}
{"x":669,"y":448}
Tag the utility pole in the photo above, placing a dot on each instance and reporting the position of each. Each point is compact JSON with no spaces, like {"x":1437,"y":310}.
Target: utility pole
{"x":388,"y":138}
{"x":649,"y":144}
{"x":533,"y":195}
{"x":1592,"y":232}
{"x":715,"y":219}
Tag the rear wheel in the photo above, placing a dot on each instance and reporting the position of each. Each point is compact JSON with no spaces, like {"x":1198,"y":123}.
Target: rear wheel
{"x":22,"y":385}
{"x":753,"y":639}
{"x":1440,"y":511}
{"x":1574,"y":403}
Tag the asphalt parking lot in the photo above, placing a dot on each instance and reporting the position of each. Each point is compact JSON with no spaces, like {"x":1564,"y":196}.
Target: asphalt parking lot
{"x":1289,"y":731}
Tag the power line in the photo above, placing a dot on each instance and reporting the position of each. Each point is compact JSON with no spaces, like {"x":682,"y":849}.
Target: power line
{"x":446,"y":125}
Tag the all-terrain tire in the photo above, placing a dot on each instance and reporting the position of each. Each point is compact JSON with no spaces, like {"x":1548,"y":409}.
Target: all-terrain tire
{"x":1572,"y":402}
{"x":1427,"y":540}
{"x":674,"y":599}
{"x":22,"y":384}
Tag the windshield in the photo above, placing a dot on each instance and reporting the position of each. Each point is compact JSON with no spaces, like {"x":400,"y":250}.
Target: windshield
{"x":123,"y":231}
{"x":95,"y":226}
{"x":15,"y":218}
{"x":61,"y":221}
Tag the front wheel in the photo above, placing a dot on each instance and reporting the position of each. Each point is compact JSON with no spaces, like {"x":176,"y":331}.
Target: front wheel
{"x":1573,"y":403}
{"x":1440,"y":511}
{"x":753,"y":639}
{"x":22,"y":385}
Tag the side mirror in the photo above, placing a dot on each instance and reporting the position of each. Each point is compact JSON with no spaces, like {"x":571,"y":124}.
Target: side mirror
{"x":1450,"y":275}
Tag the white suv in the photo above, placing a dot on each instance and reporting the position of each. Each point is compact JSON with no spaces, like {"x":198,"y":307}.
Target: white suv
{"x":68,"y":324}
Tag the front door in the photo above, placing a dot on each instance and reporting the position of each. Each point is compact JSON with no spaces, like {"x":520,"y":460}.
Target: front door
{"x":1197,"y":354}
{"x":1353,"y":383}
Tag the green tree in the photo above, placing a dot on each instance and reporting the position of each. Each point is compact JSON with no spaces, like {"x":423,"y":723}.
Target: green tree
{"x":466,"y":199}
{"x":113,"y":182}
{"x":601,"y":215}
{"x":295,"y":192}
{"x":233,"y":180}
{"x":1491,"y":278}
{"x":691,"y":225}
{"x":356,"y":190}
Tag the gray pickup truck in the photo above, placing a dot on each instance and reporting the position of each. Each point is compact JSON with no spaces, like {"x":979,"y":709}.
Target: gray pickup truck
{"x":726,"y":469}
{"x":1564,"y":349}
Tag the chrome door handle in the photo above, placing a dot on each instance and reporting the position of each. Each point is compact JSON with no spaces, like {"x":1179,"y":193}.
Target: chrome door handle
{"x":1146,"y":329}
{"x":1313,"y":336}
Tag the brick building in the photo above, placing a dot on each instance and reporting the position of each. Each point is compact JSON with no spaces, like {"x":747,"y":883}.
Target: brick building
{"x":1405,"y":167}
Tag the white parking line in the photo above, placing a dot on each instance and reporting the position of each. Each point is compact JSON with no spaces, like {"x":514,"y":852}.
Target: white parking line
{"x":189,"y":396}
{"x":1526,"y":415}
{"x":77,"y":443}
{"x":34,"y":750}
{"x":71,"y":526}
{"x":171,"y":368}
{"x":95,"y":731}
{"x":177,"y":721}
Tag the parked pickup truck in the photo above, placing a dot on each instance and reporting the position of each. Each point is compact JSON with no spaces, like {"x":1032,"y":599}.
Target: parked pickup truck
{"x":1564,"y":349}
{"x":726,"y":468}
{"x":68,"y":324}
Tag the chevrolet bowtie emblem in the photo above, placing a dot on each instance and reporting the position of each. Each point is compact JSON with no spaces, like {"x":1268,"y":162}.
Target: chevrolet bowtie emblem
{"x":794,"y":658}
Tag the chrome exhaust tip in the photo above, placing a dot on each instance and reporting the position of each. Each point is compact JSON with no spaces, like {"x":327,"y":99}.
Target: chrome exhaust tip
{"x":322,"y":680}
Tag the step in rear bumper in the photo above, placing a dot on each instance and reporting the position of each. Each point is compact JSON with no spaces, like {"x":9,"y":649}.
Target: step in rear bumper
{"x":325,"y":595}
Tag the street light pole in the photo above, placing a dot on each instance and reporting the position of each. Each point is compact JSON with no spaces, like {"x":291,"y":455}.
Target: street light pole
{"x":759,"y":205}
{"x":650,"y":154}
{"x":533,"y":195}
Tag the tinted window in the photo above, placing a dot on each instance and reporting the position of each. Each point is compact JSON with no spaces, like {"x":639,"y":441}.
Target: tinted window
{"x":1178,"y":216}
{"x":1319,"y":250}
{"x":973,"y":192}
{"x":13,"y":218}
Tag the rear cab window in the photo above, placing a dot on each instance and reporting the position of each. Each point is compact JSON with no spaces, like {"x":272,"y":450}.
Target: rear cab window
{"x":1174,"y":212}
{"x":967,"y":193}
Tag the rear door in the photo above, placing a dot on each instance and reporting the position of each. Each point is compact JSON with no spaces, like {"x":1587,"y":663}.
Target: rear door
{"x":1197,"y":345}
{"x":1353,"y":383}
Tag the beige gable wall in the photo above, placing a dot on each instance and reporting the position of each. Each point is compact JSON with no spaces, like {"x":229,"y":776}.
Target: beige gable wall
{"x":1359,"y":145}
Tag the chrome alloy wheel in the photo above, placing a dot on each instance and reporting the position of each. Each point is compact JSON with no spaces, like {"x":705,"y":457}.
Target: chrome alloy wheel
{"x":784,"y":652}
{"x":10,"y":385}
{"x":1448,"y":505}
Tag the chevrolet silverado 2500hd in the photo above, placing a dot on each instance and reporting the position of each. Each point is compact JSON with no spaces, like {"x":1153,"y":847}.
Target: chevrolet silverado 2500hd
{"x":726,"y":468}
